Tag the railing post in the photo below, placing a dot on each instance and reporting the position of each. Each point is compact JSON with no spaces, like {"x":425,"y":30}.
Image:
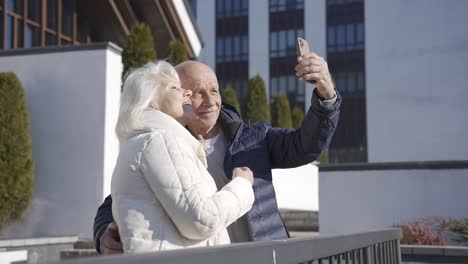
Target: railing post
{"x":398,"y":251}
{"x":368,"y":255}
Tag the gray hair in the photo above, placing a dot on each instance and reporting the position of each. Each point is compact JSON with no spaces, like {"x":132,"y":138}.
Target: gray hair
{"x":140,"y":89}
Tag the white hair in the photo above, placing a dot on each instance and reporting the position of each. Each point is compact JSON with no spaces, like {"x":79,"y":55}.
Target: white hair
{"x":139,"y":92}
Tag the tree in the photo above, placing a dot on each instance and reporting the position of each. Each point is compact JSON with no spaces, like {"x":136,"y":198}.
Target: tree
{"x":281,"y":112}
{"x":256,"y":105}
{"x":176,"y":52}
{"x":140,"y":48}
{"x":297,"y":117}
{"x":16,"y":163}
{"x":230,"y":97}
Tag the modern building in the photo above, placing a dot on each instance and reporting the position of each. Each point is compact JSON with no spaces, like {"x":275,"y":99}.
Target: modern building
{"x":62,"y":52}
{"x":245,"y":38}
{"x":42,"y":23}
{"x":381,"y":58}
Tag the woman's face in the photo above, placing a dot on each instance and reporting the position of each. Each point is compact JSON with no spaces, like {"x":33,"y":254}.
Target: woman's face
{"x":175,"y":101}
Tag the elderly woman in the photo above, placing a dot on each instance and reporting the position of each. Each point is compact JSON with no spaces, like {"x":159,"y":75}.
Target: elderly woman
{"x":163,"y":196}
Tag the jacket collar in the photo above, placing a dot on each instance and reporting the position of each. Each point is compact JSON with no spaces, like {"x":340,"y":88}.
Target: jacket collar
{"x":230,"y":121}
{"x":154,"y":120}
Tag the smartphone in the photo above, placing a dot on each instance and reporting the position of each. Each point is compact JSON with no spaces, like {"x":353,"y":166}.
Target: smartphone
{"x":302,"y":46}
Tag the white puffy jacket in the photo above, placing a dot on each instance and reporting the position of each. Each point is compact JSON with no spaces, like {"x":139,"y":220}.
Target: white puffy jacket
{"x":163,"y":196}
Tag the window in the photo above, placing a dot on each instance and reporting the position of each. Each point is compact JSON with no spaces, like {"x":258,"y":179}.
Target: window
{"x":52,"y":14}
{"x":331,"y":43}
{"x":67,"y":17}
{"x":51,"y":39}
{"x":360,"y":36}
{"x":34,"y":10}
{"x":33,"y":36}
{"x":350,"y":36}
{"x":15,"y":6}
{"x":10,"y":29}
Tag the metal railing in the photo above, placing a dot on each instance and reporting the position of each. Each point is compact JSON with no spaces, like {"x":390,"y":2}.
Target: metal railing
{"x":381,"y":246}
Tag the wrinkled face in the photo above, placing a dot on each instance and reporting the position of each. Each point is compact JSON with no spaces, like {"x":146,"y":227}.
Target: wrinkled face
{"x":175,"y":102}
{"x":206,"y":99}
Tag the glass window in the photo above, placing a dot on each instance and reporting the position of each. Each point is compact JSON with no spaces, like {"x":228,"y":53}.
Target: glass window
{"x":67,"y":17}
{"x":274,"y":86}
{"x":33,"y":36}
{"x":300,"y":87}
{"x":228,"y":7}
{"x":300,"y":33}
{"x":340,"y":37}
{"x":291,"y":83}
{"x":82,"y":29}
{"x":360,"y":35}
{"x":237,"y":47}
{"x":228,"y":47}
{"x":15,"y":6}
{"x":52,"y":14}
{"x":360,"y":81}
{"x":350,"y":36}
{"x":34,"y":10}
{"x":351,"y":81}
{"x":282,"y":85}
{"x":245,"y":7}
{"x":245,"y":45}
{"x":291,"y":39}
{"x":331,"y":39}
{"x":19,"y":33}
{"x":273,"y":44}
{"x":236,"y":8}
{"x":10,"y":29}
{"x":51,"y":39}
{"x":282,"y":43}
{"x":281,"y":5}
{"x":219,"y":47}
{"x":219,"y":8}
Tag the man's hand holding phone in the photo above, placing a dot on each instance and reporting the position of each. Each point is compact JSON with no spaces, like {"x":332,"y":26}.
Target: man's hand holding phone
{"x":314,"y":69}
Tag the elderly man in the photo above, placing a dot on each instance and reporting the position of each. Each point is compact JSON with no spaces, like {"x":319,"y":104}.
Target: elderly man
{"x":229,"y":142}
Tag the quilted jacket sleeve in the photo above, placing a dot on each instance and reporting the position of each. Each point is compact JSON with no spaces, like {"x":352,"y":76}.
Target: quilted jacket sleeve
{"x":179,"y":184}
{"x":296,"y":147}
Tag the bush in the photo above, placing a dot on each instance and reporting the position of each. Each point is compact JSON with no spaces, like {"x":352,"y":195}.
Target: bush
{"x":140,"y":48}
{"x":420,"y":234}
{"x":281,"y":112}
{"x":176,"y":52}
{"x":16,"y":163}
{"x":256,"y":105}
{"x":230,"y":97}
{"x":297,"y":117}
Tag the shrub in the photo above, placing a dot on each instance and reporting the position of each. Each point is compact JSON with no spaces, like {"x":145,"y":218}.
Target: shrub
{"x":256,"y":105}
{"x":280,"y":112}
{"x":140,"y":48}
{"x":230,"y":97}
{"x":16,"y":163}
{"x":418,"y":233}
{"x":297,"y":117}
{"x":176,"y":52}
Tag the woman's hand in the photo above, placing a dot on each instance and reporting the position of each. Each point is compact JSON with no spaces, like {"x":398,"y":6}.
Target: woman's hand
{"x":243,"y":172}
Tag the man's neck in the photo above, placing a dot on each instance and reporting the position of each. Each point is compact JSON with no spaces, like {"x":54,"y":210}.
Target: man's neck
{"x":206,"y":133}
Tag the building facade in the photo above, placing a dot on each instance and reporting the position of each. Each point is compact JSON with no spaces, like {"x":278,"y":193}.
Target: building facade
{"x":258,"y":37}
{"x":41,"y":23}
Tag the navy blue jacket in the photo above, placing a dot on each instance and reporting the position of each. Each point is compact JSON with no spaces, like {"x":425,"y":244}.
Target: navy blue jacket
{"x":262,"y":148}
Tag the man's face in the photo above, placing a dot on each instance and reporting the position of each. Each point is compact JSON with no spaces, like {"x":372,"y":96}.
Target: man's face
{"x":206,"y":99}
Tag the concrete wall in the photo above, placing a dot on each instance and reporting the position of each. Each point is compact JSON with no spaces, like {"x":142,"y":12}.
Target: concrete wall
{"x":72,"y":96}
{"x":206,"y":20}
{"x":297,"y":188}
{"x":259,"y":41}
{"x":416,"y":64}
{"x":315,"y":28}
{"x":353,"y":201}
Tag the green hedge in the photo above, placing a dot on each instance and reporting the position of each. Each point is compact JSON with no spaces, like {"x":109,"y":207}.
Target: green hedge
{"x":176,"y":52}
{"x":297,"y":117}
{"x":140,"y":48}
{"x":16,"y":163}
{"x":230,"y":97}
{"x":256,"y":107}
{"x":281,"y":112}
